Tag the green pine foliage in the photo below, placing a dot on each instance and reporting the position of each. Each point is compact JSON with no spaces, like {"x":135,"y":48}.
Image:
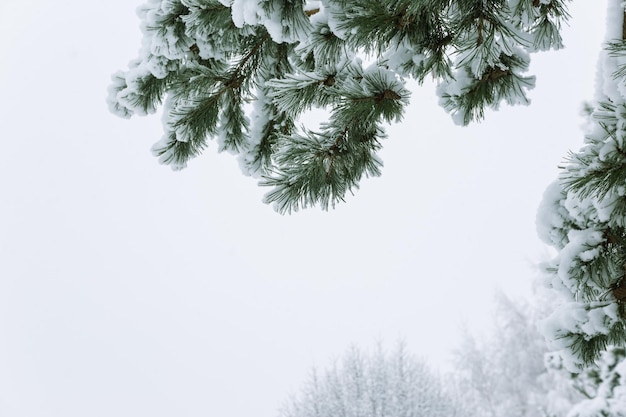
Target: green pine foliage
{"x":244,"y":72}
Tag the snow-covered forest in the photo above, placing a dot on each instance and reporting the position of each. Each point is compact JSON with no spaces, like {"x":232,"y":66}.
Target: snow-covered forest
{"x":505,"y":371}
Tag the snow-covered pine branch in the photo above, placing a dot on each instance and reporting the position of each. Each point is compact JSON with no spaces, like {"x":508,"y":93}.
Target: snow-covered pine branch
{"x":208,"y":59}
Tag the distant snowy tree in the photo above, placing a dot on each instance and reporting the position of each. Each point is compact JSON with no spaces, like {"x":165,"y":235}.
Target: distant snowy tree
{"x":376,"y":385}
{"x":583,"y":215}
{"x":211,"y":61}
{"x":511,"y":373}
{"x":503,"y":373}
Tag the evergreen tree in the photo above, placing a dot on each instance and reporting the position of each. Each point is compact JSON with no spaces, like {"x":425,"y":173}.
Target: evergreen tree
{"x":502,"y":373}
{"x":245,"y":71}
{"x":583,"y":217}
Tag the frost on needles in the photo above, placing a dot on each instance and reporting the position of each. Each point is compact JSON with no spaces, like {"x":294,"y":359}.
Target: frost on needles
{"x":243,"y":72}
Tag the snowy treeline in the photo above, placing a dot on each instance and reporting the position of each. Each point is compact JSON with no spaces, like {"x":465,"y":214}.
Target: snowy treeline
{"x":511,"y":372}
{"x":507,"y":372}
{"x":374,"y":385}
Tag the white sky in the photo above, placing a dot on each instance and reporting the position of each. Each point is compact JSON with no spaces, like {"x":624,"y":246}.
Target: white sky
{"x":129,"y":290}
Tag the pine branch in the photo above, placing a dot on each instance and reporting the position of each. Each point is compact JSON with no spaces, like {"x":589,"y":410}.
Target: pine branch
{"x":209,"y":60}
{"x":618,"y":50}
{"x":296,"y":94}
{"x":587,"y":174}
{"x":496,"y":84}
{"x":581,"y":390}
{"x":586,"y":348}
{"x":323,"y":167}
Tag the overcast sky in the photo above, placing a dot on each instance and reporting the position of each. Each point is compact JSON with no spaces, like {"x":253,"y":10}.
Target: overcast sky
{"x":127,"y":289}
